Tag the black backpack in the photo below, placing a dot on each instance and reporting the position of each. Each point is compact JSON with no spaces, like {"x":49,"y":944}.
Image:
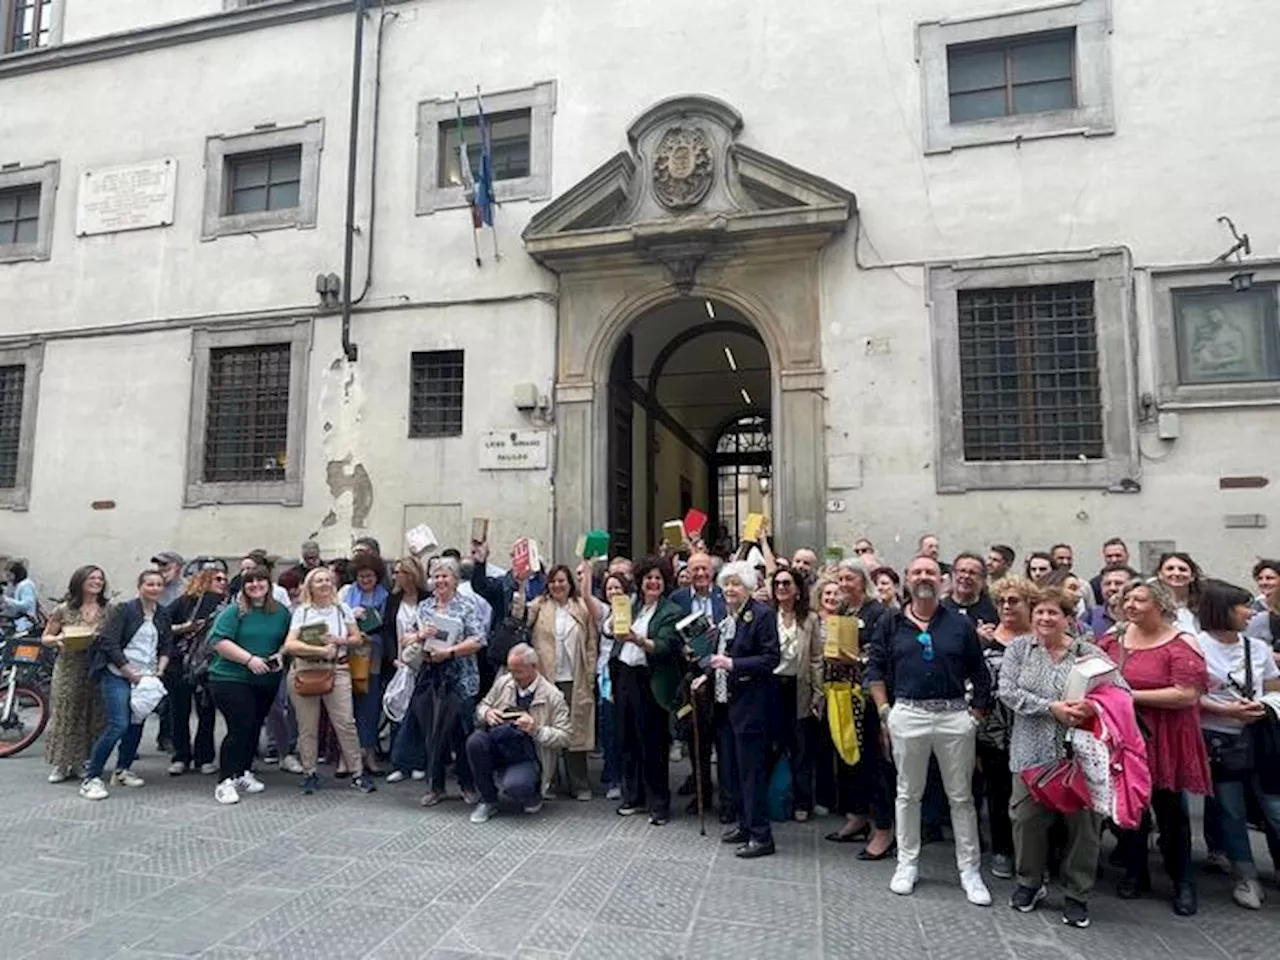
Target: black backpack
{"x":200,"y":652}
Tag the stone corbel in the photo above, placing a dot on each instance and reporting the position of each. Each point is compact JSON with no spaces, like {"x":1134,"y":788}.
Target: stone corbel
{"x":681,"y":260}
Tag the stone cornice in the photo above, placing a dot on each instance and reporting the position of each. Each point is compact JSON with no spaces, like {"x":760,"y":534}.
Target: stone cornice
{"x":220,"y":24}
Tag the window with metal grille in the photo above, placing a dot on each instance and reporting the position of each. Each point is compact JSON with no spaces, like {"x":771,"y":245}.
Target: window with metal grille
{"x":12,"y":382}
{"x":247,"y":414}
{"x":1029,"y":373}
{"x":435,"y":394}
{"x":20,"y":215}
{"x":510,"y":136}
{"x":27,"y":26}
{"x":1031,"y":73}
{"x":259,"y":182}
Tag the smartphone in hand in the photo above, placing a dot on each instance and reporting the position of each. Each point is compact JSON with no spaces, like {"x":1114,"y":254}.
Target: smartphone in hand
{"x":275,"y":662}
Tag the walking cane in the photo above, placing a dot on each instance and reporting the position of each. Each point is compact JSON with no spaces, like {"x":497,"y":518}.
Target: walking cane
{"x":697,"y":757}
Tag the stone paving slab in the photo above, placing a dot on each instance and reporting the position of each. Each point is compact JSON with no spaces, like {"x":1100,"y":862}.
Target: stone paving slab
{"x":164,"y":872}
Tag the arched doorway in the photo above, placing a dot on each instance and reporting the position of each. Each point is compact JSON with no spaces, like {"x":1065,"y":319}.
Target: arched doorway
{"x":684,"y":375}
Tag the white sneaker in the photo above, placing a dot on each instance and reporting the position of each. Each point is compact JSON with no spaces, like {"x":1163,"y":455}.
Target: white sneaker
{"x":1248,"y":894}
{"x":676,"y":753}
{"x":59,"y":775}
{"x":127,"y":778}
{"x":534,"y":807}
{"x":975,"y":889}
{"x":208,"y":768}
{"x":226,"y":792}
{"x":291,"y":764}
{"x":177,"y":768}
{"x":249,"y":783}
{"x":613,"y":793}
{"x":395,"y":776}
{"x":904,"y":880}
{"x":484,"y":812}
{"x":94,"y":789}
{"x":419,"y":775}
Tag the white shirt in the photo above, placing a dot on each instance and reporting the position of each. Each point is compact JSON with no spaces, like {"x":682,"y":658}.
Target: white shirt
{"x":337,"y":617}
{"x":140,"y":651}
{"x":701,"y":604}
{"x":632,"y":654}
{"x":281,"y":596}
{"x":1225,"y":665}
{"x":788,"y":649}
{"x":565,"y":646}
{"x":406,"y":619}
{"x":1186,"y":621}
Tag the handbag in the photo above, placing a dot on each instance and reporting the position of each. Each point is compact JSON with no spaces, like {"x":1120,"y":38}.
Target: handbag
{"x":399,"y":694}
{"x":1059,"y":786}
{"x":1231,"y":754}
{"x":361,"y":666}
{"x":313,"y":681}
{"x":413,"y":655}
{"x":843,"y":704}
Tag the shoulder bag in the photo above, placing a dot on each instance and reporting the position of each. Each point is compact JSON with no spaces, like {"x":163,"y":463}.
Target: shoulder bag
{"x":314,"y":680}
{"x":1231,"y":754}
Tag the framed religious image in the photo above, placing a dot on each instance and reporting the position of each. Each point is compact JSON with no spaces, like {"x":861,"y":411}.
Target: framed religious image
{"x":1227,"y":337}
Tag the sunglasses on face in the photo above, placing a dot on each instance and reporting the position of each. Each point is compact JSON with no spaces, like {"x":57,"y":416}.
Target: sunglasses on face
{"x":784,"y":583}
{"x":864,"y":550}
{"x":1009,"y":601}
{"x":925,"y":639}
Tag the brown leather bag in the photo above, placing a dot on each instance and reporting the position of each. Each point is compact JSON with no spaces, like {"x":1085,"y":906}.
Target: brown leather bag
{"x":314,"y":682}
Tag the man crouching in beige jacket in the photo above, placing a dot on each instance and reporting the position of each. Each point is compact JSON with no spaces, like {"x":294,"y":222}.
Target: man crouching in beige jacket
{"x":522,"y":722}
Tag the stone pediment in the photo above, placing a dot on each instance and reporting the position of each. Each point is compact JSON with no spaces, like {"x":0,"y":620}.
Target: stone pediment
{"x":686,"y":190}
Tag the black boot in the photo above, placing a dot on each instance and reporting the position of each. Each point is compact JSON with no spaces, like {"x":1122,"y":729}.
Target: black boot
{"x":1185,"y":901}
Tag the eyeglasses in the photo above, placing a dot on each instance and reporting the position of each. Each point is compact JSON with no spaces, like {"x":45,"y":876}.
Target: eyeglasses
{"x":864,"y":549}
{"x":1009,"y":601}
{"x":784,"y":583}
{"x":219,"y":579}
{"x":925,"y":639}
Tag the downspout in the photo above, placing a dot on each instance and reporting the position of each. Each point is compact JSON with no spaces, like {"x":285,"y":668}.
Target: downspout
{"x":349,"y":349}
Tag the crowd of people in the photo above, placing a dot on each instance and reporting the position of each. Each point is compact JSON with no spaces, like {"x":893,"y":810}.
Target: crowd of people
{"x":899,"y":701}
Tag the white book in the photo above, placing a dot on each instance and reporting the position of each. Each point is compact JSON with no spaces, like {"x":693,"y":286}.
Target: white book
{"x":1086,"y":675}
{"x":450,"y":631}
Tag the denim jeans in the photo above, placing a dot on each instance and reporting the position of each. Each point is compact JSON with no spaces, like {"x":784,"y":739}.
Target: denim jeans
{"x":282,"y":726}
{"x":607,"y":732}
{"x":408,"y":747}
{"x":120,"y":727}
{"x":1232,"y":798}
{"x":368,"y":712}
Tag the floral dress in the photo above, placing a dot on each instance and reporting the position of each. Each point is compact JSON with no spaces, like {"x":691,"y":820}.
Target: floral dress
{"x":78,"y":716}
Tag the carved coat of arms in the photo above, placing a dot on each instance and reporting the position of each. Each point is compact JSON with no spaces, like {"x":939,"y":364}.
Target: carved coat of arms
{"x":682,"y":168}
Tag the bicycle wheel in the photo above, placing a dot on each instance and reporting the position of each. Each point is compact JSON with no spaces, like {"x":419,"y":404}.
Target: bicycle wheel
{"x":26,"y":722}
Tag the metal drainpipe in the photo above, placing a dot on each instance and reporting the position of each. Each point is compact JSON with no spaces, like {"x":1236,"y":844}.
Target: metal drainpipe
{"x":349,"y":349}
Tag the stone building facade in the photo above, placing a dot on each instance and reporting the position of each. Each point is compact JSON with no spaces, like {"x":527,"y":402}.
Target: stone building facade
{"x":875,"y":268}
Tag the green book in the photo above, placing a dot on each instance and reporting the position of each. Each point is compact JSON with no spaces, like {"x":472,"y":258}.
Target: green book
{"x":370,"y":622}
{"x":314,"y":634}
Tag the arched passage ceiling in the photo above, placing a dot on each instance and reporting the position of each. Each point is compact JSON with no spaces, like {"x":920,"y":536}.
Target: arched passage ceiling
{"x":698,"y":386}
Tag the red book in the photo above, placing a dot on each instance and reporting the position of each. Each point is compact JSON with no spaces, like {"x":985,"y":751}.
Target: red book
{"x":520,"y":558}
{"x":694,"y":521}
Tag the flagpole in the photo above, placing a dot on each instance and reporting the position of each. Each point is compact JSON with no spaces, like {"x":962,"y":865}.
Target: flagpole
{"x":486,"y":174}
{"x":464,"y":171}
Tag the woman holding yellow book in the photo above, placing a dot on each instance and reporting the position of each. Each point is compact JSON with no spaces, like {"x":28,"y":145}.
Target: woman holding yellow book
{"x":78,"y":717}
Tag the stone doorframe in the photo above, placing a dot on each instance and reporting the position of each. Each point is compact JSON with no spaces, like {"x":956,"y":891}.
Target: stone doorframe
{"x":689,"y":213}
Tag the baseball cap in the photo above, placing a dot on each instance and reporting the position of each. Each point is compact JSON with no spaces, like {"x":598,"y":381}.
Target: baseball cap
{"x":167,"y":556}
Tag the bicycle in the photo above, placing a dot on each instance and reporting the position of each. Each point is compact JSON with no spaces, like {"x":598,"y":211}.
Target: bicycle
{"x":24,"y":697}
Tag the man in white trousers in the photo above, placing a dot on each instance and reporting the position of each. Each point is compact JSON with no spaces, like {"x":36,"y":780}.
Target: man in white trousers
{"x":919,"y":661}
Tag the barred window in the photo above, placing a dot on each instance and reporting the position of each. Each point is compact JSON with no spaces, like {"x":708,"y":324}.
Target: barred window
{"x":12,"y":385}
{"x":261,"y":182}
{"x":247,"y":419}
{"x":435,"y":394}
{"x":20,"y":215}
{"x":1011,"y":76}
{"x":1029,"y":373}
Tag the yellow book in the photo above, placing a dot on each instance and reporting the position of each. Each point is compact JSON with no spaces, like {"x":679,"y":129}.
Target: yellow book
{"x":673,"y":533}
{"x":752,"y":527}
{"x":842,"y":642}
{"x":621,"y":607}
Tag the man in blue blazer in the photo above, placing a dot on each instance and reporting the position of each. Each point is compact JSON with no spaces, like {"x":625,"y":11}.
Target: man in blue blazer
{"x":741,"y":678}
{"x":702,"y":596}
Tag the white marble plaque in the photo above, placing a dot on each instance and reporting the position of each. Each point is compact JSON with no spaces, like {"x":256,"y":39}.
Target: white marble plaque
{"x":126,"y":198}
{"x":514,"y":450}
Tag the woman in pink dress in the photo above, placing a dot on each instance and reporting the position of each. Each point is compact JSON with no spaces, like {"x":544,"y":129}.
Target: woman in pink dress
{"x":1166,"y":671}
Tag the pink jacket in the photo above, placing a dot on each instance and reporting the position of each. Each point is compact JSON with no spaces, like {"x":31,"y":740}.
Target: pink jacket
{"x":1113,"y":755}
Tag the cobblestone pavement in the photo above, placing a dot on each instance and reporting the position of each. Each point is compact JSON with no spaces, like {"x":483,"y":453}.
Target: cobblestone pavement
{"x":163,"y":871}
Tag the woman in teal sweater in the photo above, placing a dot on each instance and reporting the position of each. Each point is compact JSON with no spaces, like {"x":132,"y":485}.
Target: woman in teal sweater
{"x":244,"y":677}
